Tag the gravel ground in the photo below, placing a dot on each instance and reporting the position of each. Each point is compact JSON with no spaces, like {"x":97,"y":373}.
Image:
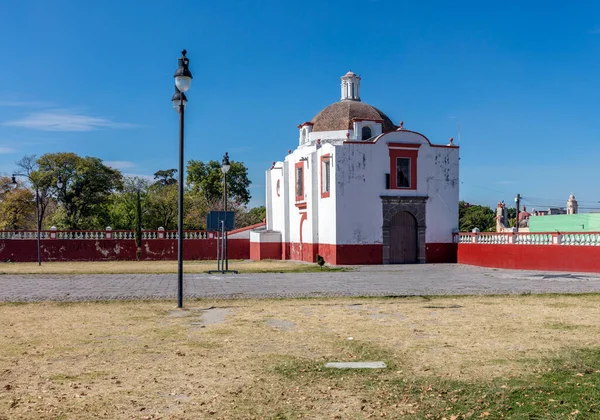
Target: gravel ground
{"x":390,"y":280}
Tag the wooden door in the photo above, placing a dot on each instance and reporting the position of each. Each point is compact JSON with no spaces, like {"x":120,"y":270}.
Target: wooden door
{"x":403,"y":238}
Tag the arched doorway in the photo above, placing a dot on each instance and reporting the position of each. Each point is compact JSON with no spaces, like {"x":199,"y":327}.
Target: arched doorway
{"x":403,"y":238}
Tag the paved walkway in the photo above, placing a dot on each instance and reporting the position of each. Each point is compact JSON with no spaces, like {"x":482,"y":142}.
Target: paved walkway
{"x":430,"y":279}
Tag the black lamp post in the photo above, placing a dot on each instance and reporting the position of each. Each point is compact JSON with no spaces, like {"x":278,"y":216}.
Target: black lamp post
{"x":225,"y":165}
{"x":13,"y":184}
{"x":183,"y":80}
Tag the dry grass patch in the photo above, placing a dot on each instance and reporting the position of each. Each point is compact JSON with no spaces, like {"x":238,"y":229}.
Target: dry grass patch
{"x":263,"y":358}
{"x":156,"y":267}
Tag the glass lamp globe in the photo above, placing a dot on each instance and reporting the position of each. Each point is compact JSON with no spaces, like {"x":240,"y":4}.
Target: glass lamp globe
{"x":225,"y":163}
{"x":183,"y":83}
{"x":177,"y":103}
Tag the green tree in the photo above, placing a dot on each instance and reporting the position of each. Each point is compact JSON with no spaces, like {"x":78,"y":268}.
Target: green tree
{"x":123,"y":206}
{"x":207,"y":178}
{"x":40,"y":182}
{"x":165,"y":177}
{"x":17,"y":207}
{"x":86,"y":191}
{"x":161,"y":205}
{"x":250,"y":217}
{"x":475,"y":216}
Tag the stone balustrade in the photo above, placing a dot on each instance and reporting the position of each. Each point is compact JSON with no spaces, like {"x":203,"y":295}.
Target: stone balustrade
{"x":528,"y":238}
{"x":93,"y":235}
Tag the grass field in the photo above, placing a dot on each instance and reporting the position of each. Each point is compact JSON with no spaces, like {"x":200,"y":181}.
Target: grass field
{"x":157,"y":267}
{"x":518,"y":357}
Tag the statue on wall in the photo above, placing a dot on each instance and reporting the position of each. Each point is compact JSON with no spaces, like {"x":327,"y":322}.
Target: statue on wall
{"x":501,"y":217}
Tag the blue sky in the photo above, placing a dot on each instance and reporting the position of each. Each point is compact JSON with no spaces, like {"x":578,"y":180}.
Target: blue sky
{"x":522,"y":79}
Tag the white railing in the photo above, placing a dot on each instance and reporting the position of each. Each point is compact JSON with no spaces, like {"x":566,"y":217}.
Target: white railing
{"x":94,"y":235}
{"x":528,"y":238}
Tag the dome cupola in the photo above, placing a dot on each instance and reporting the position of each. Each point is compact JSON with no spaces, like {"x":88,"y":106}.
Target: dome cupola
{"x":350,"y":87}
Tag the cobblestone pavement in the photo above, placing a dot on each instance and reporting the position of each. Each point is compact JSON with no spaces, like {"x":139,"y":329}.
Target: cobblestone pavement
{"x":401,"y":280}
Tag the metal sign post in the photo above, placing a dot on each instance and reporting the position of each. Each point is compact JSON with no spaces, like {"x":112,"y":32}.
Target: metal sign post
{"x":221,"y":222}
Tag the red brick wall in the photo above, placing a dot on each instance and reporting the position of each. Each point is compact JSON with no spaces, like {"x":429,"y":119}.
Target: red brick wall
{"x":115,"y":250}
{"x":532,"y":257}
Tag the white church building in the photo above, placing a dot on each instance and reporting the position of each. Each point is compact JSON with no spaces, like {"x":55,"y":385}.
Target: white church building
{"x":360,"y":190}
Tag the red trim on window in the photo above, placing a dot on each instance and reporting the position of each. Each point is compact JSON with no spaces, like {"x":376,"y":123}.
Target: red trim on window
{"x":299,"y":165}
{"x":403,"y":153}
{"x":325,"y":194}
{"x":301,"y":205}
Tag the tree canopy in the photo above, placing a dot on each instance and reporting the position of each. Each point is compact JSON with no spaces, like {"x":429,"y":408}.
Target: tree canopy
{"x":207,"y":178}
{"x":476,"y":216}
{"x":87,"y":187}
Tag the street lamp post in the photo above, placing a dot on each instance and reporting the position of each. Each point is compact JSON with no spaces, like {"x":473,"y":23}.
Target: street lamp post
{"x":225,"y":165}
{"x":13,"y":184}
{"x":183,"y":80}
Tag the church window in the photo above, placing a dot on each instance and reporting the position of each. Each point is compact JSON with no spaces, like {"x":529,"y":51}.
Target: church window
{"x":325,"y":176}
{"x":366,"y":133}
{"x":403,"y":172}
{"x":403,"y":166}
{"x":299,"y":181}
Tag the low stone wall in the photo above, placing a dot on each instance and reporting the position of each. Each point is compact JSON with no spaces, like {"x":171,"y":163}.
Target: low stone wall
{"x":551,"y":251}
{"x":25,"y":250}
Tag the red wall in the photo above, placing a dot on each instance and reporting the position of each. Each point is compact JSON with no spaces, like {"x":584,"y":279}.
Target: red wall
{"x":532,"y":257}
{"x":109,"y":250}
{"x":265,"y":251}
{"x":440,"y":252}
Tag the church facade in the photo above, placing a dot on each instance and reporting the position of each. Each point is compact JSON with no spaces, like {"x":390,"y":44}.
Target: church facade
{"x":360,"y":190}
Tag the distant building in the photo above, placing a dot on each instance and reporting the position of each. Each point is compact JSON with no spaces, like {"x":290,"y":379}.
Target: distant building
{"x":551,"y":211}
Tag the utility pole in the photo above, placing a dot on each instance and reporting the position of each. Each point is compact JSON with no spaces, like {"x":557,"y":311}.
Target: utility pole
{"x":518,"y":201}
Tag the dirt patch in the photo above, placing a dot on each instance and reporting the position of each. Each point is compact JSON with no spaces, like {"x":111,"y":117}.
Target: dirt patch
{"x":213,"y":316}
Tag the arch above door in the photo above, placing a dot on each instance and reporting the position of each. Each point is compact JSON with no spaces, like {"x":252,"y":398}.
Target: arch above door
{"x":416,"y":206}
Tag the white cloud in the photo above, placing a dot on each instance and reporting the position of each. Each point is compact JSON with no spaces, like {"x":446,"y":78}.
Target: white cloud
{"x":119,"y":164}
{"x":7,"y":150}
{"x":64,"y":120}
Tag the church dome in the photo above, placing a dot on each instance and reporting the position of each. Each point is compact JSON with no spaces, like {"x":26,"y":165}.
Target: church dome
{"x":339,"y":116}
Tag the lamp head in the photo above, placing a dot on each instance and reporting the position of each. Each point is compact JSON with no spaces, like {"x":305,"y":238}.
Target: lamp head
{"x":13,"y":182}
{"x":178,"y":100}
{"x":183,"y":76}
{"x":225,"y":165}
{"x":59,"y":182}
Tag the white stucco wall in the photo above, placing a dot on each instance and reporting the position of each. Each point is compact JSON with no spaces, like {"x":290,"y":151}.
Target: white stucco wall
{"x":327,"y":206}
{"x":360,"y":183}
{"x":276,"y":215}
{"x":443,"y":190}
{"x":330,"y":135}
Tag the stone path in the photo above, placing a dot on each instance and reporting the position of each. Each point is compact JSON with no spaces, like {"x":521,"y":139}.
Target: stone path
{"x":401,"y":280}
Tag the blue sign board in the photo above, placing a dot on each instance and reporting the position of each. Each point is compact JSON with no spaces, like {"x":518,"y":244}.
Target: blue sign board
{"x":214,"y":219}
